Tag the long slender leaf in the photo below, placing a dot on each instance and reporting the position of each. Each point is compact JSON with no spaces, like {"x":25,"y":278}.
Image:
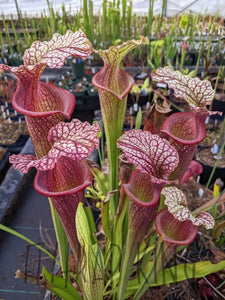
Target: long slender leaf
{"x":61,"y":240}
{"x":60,"y":286}
{"x":21,"y":236}
{"x":176,"y":273}
{"x":91,"y":266}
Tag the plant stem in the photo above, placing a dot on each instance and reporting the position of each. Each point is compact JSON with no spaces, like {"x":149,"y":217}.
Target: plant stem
{"x":215,"y":166}
{"x":164,"y":252}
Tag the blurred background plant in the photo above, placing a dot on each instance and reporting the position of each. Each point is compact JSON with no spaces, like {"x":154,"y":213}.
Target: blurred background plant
{"x":116,"y":21}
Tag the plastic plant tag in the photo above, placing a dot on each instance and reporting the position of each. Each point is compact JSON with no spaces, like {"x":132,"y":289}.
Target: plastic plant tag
{"x":201,"y":192}
{"x":161,"y":85}
{"x":131,"y":110}
{"x":207,"y":120}
{"x":147,"y":105}
{"x":215,"y":149}
{"x":142,"y":75}
{"x":135,"y":107}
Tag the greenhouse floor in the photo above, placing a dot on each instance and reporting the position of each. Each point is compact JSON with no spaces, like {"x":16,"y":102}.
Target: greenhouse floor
{"x":30,"y":212}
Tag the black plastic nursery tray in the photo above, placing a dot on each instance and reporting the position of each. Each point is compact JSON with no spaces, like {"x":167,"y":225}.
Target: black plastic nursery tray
{"x":142,"y":100}
{"x":12,"y":180}
{"x":4,"y":165}
{"x":10,"y":149}
{"x":18,"y":145}
{"x":91,"y":103}
{"x":30,"y":211}
{"x":23,"y":210}
{"x":87,"y":103}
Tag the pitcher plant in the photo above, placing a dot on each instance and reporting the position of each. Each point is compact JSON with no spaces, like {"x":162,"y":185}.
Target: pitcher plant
{"x":144,"y":215}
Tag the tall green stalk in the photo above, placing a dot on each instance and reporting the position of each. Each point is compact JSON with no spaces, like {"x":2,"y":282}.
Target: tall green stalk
{"x":148,"y":27}
{"x":198,"y":59}
{"x":161,"y":15}
{"x":8,"y":38}
{"x":91,"y":21}
{"x":134,"y":18}
{"x":26,"y":33}
{"x":220,"y":71}
{"x":110,"y":30}
{"x":104,"y":23}
{"x":85,"y":15}
{"x":210,"y":40}
{"x":35,"y":28}
{"x":52,"y":19}
{"x":124,"y":8}
{"x":129,"y":16}
{"x":2,"y":43}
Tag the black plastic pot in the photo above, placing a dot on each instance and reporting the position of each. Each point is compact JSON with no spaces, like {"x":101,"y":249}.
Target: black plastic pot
{"x":4,"y":165}
{"x":91,"y":91}
{"x":95,"y":211}
{"x":220,"y":61}
{"x":78,"y":69}
{"x":87,"y":103}
{"x":18,"y":145}
{"x":219,"y":103}
{"x":207,"y":169}
{"x":80,"y":93}
{"x":219,"y":173}
{"x":142,"y":100}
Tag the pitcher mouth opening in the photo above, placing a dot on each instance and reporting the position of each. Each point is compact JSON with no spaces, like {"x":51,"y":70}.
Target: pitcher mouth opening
{"x":180,"y":135}
{"x":79,"y":182}
{"x":66,"y":108}
{"x":98,"y":80}
{"x":179,"y":233}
